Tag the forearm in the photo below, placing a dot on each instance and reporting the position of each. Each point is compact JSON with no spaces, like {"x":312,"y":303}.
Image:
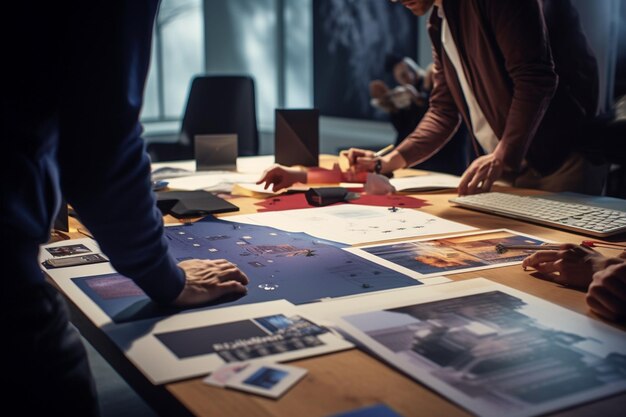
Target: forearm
{"x":522,"y":37}
{"x":118,"y":208}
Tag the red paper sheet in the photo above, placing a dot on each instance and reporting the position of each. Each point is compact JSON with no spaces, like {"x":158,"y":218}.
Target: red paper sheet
{"x":298,"y":201}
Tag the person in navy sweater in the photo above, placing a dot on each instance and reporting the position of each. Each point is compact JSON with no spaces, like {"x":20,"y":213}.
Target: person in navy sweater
{"x":72,"y":94}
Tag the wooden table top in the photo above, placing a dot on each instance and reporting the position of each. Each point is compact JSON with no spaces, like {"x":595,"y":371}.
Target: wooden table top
{"x":351,"y":379}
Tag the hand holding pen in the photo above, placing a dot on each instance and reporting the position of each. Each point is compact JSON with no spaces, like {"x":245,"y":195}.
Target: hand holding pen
{"x":362,"y":160}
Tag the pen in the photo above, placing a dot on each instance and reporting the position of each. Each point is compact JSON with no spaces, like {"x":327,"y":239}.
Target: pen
{"x":599,"y":244}
{"x":383,"y":151}
{"x":502,"y":248}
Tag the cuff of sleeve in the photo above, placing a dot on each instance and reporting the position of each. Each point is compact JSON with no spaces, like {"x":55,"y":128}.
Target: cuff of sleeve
{"x":164,"y":282}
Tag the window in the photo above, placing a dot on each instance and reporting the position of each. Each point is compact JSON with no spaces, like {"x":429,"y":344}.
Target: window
{"x":177,"y":55}
{"x":271,"y":40}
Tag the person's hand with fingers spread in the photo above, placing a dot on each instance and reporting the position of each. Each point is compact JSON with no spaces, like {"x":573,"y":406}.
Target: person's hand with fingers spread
{"x":280,"y":177}
{"x":481,"y":174}
{"x":208,"y":280}
{"x":572,"y":265}
{"x":607,"y":292}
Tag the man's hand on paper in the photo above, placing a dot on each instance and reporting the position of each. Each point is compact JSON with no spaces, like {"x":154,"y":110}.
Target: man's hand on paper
{"x":208,"y":280}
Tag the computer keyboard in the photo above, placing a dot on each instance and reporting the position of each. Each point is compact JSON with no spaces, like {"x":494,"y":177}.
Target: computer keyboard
{"x":580,"y":218}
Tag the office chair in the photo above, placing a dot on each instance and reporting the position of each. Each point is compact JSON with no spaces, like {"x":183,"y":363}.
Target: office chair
{"x":216,"y":105}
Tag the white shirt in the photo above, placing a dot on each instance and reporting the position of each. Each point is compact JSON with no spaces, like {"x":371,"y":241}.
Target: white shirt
{"x":480,"y":127}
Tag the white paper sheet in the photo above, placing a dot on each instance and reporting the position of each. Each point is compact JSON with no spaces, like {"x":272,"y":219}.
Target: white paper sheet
{"x":245,"y":165}
{"x":354,"y":224}
{"x":211,"y":181}
{"x":491,"y":349}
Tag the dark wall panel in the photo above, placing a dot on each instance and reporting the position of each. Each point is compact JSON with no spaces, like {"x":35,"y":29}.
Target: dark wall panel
{"x":351,"y":39}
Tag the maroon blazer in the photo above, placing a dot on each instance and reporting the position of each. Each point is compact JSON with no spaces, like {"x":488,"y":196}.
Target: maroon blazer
{"x":533,"y":75}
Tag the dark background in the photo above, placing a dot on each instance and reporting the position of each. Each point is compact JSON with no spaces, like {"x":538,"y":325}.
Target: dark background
{"x":350,"y":42}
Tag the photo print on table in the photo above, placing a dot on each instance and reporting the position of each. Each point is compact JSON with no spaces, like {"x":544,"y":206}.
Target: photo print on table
{"x":68,"y":250}
{"x":270,"y":380}
{"x":450,"y":254}
{"x":245,"y":339}
{"x":494,"y":350}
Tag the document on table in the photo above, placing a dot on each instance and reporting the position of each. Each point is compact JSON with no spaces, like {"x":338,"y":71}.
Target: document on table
{"x":354,"y":224}
{"x":450,"y":254}
{"x":245,"y":164}
{"x":489,"y":348}
{"x":211,"y":181}
{"x":182,"y":175}
{"x":428,"y":182}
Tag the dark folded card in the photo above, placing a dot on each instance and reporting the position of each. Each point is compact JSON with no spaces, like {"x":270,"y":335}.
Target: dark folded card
{"x":297,"y":137}
{"x":183,"y":204}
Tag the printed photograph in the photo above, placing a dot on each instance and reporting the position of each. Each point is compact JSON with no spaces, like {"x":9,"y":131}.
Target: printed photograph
{"x":68,"y":250}
{"x":455,"y":254}
{"x":222,"y":375}
{"x":493,"y":349}
{"x":246,"y":339}
{"x":266,"y":377}
{"x":113,"y":287}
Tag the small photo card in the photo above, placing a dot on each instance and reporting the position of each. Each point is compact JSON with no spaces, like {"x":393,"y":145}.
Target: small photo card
{"x":220,"y":376}
{"x":67,"y":250}
{"x":268,"y":379}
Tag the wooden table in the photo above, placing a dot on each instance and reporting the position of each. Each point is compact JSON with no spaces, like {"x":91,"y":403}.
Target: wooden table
{"x":351,"y":379}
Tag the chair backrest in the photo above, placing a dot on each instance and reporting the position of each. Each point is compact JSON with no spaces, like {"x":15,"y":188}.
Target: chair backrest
{"x":222,"y":104}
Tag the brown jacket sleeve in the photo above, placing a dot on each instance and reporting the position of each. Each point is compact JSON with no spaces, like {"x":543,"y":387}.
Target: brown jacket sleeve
{"x":521,"y":34}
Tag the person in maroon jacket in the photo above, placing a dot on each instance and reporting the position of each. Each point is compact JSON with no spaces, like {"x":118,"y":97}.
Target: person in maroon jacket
{"x":521,"y":75}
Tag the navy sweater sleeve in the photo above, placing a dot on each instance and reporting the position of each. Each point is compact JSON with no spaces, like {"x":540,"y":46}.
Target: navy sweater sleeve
{"x":105,"y":171}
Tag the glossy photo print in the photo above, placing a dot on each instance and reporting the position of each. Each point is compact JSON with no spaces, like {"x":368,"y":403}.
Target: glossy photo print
{"x":450,"y":254}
